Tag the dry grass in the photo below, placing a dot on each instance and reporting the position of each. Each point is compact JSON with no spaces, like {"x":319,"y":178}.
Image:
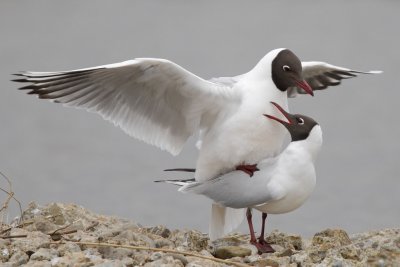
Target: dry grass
{"x":10,"y":195}
{"x":173,"y":251}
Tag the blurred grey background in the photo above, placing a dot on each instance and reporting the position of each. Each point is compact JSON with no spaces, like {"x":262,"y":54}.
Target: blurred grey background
{"x":57,"y":154}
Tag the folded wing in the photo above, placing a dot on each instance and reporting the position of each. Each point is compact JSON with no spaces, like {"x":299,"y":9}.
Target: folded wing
{"x":153,"y":100}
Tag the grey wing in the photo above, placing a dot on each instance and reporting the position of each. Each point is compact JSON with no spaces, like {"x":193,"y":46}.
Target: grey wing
{"x":227,"y":81}
{"x":321,"y":75}
{"x":237,"y":190}
{"x":153,"y":100}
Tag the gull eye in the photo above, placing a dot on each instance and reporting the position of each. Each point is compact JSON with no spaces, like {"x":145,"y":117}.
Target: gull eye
{"x":286,"y":68}
{"x":300,"y":121}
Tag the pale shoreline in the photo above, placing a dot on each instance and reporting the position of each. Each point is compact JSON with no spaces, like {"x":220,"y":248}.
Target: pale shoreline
{"x":63,"y":235}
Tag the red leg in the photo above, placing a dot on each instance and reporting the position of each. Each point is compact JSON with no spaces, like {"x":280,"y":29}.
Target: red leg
{"x":263,"y":247}
{"x":253,"y":239}
{"x":266,"y":247}
{"x":249,"y":169}
{"x":264,"y":217}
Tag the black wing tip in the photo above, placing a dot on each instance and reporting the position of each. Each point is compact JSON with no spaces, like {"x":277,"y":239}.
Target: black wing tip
{"x":180,"y":170}
{"x":345,"y":73}
{"x":21,"y":80}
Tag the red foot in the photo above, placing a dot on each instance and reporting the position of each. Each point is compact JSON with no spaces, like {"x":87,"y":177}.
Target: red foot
{"x":249,"y":169}
{"x":263,"y":247}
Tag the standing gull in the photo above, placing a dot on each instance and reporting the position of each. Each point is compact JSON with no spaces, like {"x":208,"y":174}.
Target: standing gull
{"x":282,"y":183}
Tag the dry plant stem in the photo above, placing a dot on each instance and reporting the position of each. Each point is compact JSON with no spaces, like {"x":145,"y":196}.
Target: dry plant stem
{"x":10,"y":196}
{"x":92,"y":226}
{"x":55,"y":233}
{"x":59,"y":229}
{"x":25,"y":223}
{"x":155,"y":249}
{"x":13,"y":236}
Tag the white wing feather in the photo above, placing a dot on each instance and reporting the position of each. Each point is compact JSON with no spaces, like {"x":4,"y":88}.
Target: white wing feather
{"x":153,"y":100}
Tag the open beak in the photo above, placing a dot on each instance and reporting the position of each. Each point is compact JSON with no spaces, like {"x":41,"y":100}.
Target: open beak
{"x":287,"y":115}
{"x":305,"y":86}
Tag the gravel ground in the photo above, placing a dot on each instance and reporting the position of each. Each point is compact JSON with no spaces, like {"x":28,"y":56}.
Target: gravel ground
{"x":63,"y":235}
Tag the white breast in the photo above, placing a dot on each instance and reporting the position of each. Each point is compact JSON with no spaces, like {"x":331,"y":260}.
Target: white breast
{"x":244,"y":135}
{"x":296,"y":177}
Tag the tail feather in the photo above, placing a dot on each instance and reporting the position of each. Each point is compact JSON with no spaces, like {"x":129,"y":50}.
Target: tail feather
{"x":180,"y":170}
{"x":180,"y":182}
{"x":224,"y":220}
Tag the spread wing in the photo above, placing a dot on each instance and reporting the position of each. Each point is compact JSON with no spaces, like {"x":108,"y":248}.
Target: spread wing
{"x":320,"y":75}
{"x":228,"y":81}
{"x":154,"y":100}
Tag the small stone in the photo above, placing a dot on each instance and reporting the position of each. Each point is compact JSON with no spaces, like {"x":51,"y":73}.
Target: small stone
{"x":161,"y":231}
{"x":195,"y":240}
{"x":143,"y":240}
{"x":252,"y":258}
{"x":156,"y":256}
{"x":140,"y":259}
{"x":109,"y":263}
{"x":285,"y":240}
{"x":206,"y":253}
{"x":332,"y":238}
{"x":127,"y":262}
{"x":350,"y":252}
{"x":178,"y":257}
{"x":56,"y":212}
{"x":337,"y":263}
{"x":285,"y":253}
{"x":68,"y":248}
{"x":227,"y":242}
{"x":375,"y":245}
{"x":196,"y":262}
{"x":4,"y":254}
{"x":236,"y":259}
{"x":164,"y":243}
{"x":19,"y":257}
{"x":18,"y":231}
{"x":44,"y":225}
{"x":44,"y":254}
{"x":115,"y":253}
{"x":253,"y":249}
{"x":299,"y":258}
{"x":126,"y":235}
{"x":4,"y":242}
{"x":37,"y":264}
{"x":268,"y":262}
{"x":166,"y":261}
{"x":317,"y":256}
{"x":381,"y":263}
{"x":231,"y":251}
{"x":397,"y":242}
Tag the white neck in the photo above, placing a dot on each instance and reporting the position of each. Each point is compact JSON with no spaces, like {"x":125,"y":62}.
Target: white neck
{"x":311,"y":145}
{"x":263,"y":67}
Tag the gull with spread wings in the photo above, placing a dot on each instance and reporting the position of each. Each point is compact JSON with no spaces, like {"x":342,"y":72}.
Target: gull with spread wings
{"x":161,"y":103}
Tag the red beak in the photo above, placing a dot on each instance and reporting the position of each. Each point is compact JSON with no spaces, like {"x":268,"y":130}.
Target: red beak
{"x":283,"y":112}
{"x":305,"y":86}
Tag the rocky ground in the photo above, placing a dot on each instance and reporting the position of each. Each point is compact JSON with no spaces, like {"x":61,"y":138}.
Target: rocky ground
{"x":69,"y":235}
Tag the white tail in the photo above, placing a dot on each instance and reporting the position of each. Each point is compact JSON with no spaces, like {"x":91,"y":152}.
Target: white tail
{"x":224,"y":220}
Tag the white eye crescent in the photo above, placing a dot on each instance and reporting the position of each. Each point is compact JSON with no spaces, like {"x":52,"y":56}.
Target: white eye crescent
{"x":300,"y":121}
{"x":286,"y":68}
